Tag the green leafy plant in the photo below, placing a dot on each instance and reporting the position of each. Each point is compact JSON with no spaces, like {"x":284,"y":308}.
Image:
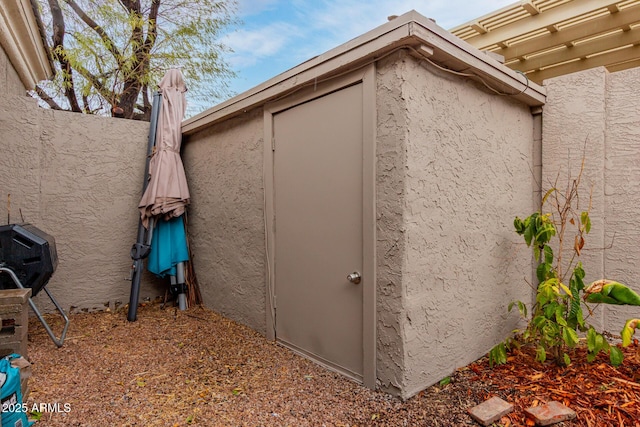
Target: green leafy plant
{"x":35,"y":415}
{"x":558,"y":318}
{"x":628,"y":331}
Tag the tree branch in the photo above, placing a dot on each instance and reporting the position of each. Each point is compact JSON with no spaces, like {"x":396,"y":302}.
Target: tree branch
{"x":146,"y":104}
{"x":131,"y":5}
{"x":106,"y":93}
{"x":140,"y":56}
{"x":106,"y":40}
{"x":153,"y":25}
{"x":46,"y":98}
{"x":58,"y":53}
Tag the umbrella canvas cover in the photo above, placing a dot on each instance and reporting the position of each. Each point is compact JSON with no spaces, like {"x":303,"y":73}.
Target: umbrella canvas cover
{"x":167,"y":193}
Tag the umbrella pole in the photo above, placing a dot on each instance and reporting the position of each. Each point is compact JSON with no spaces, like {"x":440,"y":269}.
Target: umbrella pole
{"x":178,"y":286}
{"x":141,"y":248}
{"x":182,"y":289}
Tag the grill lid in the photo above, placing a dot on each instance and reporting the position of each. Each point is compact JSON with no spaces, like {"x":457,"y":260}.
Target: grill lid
{"x":30,"y":253}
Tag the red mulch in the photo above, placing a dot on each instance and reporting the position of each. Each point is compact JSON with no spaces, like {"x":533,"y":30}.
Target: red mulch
{"x":600,"y":394}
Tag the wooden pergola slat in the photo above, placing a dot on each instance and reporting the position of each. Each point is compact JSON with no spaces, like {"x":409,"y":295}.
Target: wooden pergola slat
{"x":546,"y":38}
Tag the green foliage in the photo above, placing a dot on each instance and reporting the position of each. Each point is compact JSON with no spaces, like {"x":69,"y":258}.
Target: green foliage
{"x":498,"y":354}
{"x":610,"y":292}
{"x":558,"y":318}
{"x":445,"y":381}
{"x":597,"y":343}
{"x":557,"y":315}
{"x":628,"y":331}
{"x":35,"y":415}
{"x":114,"y":52}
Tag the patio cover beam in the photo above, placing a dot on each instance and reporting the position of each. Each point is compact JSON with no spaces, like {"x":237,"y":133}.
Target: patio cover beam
{"x":615,"y":57}
{"x":599,"y":25}
{"x":579,"y":51}
{"x":564,"y":37}
{"x":542,"y":20}
{"x":624,"y":65}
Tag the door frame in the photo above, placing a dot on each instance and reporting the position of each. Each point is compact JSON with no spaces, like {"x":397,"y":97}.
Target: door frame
{"x":366,"y":77}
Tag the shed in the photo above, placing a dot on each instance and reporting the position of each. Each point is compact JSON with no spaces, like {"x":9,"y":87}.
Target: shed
{"x":358,"y":208}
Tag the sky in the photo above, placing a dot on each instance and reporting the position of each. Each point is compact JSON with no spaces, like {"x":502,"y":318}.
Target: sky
{"x":276,"y":35}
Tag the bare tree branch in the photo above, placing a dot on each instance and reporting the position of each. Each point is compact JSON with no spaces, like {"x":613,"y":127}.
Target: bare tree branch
{"x":132,"y":6}
{"x":146,"y":104}
{"x":141,"y":55}
{"x":46,"y":98}
{"x":85,"y":102}
{"x":59,"y":54}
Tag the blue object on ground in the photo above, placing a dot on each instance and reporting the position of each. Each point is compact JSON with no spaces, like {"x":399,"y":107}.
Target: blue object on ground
{"x":13,"y":409}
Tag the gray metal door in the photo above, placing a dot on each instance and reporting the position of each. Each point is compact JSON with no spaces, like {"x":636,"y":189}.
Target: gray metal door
{"x":318,"y":229}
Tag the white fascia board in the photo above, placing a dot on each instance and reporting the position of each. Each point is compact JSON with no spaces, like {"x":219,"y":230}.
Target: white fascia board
{"x":20,"y":38}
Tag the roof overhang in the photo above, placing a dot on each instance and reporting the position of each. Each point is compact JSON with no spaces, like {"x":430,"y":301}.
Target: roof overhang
{"x":21,"y":39}
{"x":412,"y":31}
{"x":549,"y":38}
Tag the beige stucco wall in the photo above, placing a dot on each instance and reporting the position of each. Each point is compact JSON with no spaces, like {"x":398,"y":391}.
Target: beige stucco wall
{"x":455,"y":166}
{"x":599,"y":112}
{"x":226,"y":219}
{"x":391,"y":158}
{"x":10,"y":83}
{"x":78,"y":178}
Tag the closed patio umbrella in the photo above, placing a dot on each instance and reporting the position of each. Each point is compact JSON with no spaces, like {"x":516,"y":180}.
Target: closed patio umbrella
{"x":167,"y":194}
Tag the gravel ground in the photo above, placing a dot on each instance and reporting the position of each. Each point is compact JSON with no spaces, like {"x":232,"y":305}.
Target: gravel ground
{"x":175,"y":368}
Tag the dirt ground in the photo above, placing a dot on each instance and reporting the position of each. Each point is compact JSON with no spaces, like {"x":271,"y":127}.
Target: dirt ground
{"x":174,"y":368}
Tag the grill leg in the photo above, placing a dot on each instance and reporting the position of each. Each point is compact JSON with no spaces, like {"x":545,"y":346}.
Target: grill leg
{"x":57,"y":341}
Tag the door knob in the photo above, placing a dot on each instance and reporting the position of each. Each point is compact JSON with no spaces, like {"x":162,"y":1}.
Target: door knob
{"x":354,"y":277}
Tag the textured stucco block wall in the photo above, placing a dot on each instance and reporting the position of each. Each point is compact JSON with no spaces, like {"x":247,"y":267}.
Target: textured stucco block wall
{"x":455,"y":166}
{"x":78,"y":178}
{"x":10,"y":83}
{"x":224,"y":166}
{"x":622,"y":189}
{"x":598,"y":113}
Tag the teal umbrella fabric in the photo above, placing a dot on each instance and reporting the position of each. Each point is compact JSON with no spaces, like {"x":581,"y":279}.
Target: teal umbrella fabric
{"x":168,"y":247}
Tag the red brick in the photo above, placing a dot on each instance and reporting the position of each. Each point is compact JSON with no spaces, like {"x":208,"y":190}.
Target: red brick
{"x":490,"y":411}
{"x":550,"y":413}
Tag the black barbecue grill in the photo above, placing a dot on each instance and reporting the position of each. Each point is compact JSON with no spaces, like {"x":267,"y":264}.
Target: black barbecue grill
{"x":28,"y":257}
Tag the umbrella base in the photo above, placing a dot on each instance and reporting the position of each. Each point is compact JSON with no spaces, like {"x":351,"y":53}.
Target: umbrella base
{"x":182,"y":301}
{"x":179,"y":287}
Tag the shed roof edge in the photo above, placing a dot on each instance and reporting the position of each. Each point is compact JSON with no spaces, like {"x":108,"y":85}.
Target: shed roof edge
{"x":410,"y":30}
{"x":22,"y":41}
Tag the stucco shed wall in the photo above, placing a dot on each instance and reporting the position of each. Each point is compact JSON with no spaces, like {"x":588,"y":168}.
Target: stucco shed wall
{"x":78,"y":178}
{"x":391,"y":158}
{"x":463,"y":165}
{"x":226,"y":218}
{"x":598,"y":113}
